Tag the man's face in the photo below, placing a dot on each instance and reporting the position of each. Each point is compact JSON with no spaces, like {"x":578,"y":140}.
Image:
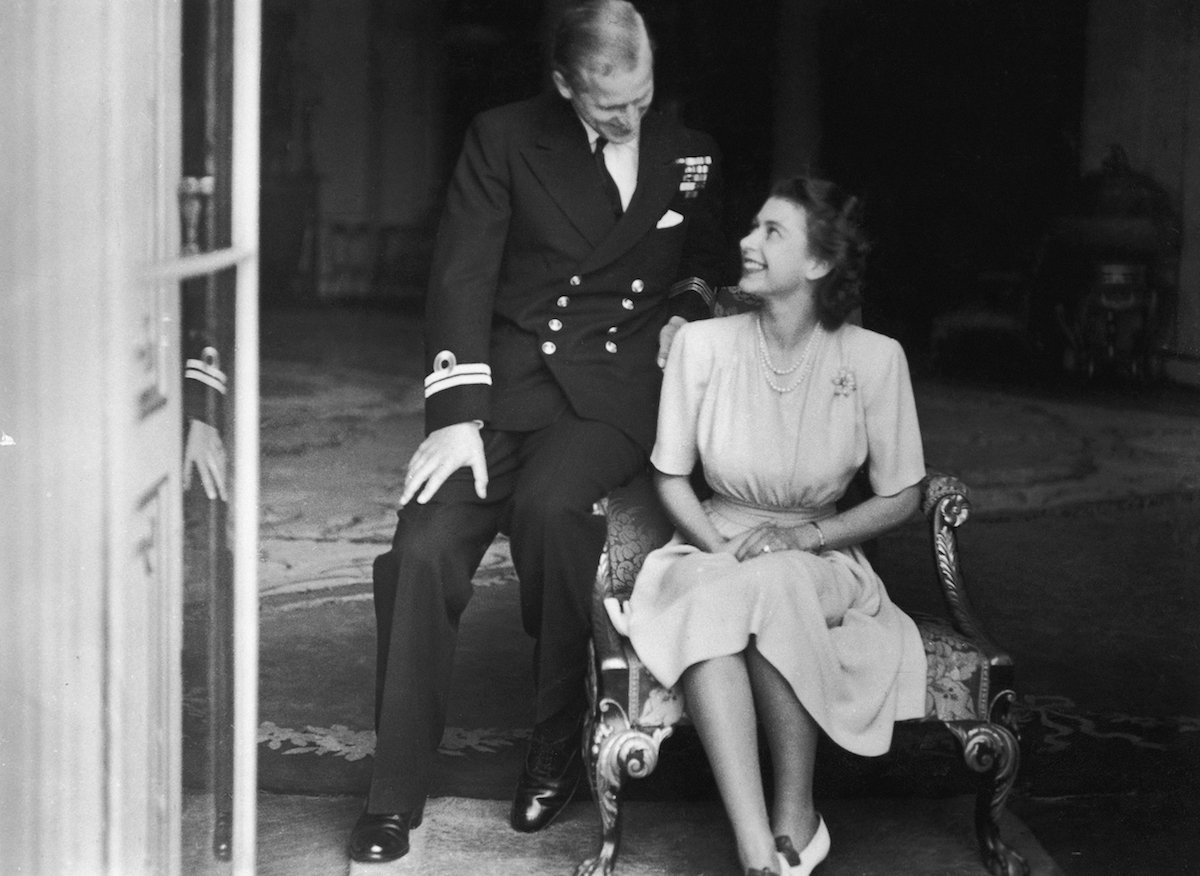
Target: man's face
{"x":614,"y":104}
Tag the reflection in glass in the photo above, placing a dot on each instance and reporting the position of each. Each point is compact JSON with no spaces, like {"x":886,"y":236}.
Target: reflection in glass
{"x":207,"y":345}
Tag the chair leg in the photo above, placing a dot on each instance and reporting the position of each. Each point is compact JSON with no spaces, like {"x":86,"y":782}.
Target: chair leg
{"x":991,"y":750}
{"x":616,"y":752}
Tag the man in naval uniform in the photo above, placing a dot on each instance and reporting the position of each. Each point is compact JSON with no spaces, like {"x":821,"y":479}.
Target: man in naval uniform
{"x":569,"y":220}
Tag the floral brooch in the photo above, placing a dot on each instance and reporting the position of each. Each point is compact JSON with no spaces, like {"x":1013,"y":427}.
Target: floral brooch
{"x":843,"y":381}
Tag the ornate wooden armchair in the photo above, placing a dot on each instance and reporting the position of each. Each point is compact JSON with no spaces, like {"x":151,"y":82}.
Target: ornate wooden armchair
{"x":969,"y":689}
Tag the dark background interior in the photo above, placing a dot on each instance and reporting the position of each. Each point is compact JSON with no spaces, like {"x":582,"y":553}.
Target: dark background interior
{"x":956,"y":120}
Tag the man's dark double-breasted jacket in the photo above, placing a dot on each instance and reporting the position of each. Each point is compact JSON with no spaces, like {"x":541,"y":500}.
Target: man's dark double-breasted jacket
{"x":537,"y":299}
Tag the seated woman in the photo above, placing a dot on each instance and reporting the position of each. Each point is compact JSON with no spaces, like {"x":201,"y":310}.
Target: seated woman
{"x":763,"y":603}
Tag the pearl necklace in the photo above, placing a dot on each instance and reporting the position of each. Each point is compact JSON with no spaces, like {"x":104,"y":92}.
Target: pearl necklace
{"x":804,"y":363}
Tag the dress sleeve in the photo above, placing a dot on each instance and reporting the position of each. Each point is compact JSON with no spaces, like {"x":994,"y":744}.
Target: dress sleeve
{"x":895,"y":458}
{"x":675,"y":449}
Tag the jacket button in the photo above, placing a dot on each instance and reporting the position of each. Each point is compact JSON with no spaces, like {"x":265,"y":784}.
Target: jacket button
{"x":627,"y":303}
{"x":548,"y":348}
{"x":555,"y":325}
{"x":612,"y":330}
{"x":610,"y":346}
{"x":637,"y":285}
{"x":575,"y":280}
{"x":563,"y":301}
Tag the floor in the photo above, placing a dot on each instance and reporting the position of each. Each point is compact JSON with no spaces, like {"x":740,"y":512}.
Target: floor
{"x":335,"y":377}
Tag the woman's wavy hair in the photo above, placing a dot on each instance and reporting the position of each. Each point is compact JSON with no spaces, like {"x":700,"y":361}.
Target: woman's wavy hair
{"x":836,"y":237}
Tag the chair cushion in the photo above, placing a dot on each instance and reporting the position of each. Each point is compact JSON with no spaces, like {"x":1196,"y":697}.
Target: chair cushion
{"x":956,"y":675}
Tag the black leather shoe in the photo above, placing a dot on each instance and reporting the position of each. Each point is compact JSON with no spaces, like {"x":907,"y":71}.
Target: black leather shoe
{"x":553,"y":770}
{"x":382,"y":836}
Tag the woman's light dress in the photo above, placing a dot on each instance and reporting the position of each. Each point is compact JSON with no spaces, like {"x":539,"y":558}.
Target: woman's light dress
{"x":824,"y":620}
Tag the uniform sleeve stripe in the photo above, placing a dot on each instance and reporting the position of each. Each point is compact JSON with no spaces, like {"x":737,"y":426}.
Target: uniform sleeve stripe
{"x":482,"y":373}
{"x":459,"y":380}
{"x":697,"y":285}
{"x":205,"y":378}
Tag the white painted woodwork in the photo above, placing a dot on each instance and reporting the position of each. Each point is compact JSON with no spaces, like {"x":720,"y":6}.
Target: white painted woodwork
{"x":91,"y":400}
{"x":90,"y":434}
{"x":247,"y":41}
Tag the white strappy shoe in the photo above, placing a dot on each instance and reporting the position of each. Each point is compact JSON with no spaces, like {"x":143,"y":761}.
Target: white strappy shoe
{"x":802,"y":863}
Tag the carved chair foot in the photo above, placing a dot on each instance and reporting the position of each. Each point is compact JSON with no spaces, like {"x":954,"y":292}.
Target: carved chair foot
{"x":999,"y":857}
{"x":991,"y":750}
{"x":1002,"y":860}
{"x":616,"y":752}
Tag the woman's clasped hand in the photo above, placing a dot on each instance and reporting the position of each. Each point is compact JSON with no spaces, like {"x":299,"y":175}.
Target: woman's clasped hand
{"x":769,"y":538}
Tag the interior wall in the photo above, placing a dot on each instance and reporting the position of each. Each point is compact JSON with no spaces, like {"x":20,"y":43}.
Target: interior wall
{"x":797,"y":81}
{"x":374,"y":73}
{"x":409,"y":74}
{"x":957,"y":123}
{"x":89,"y":470}
{"x":337,"y":56}
{"x":386,"y":88}
{"x":1142,"y":92}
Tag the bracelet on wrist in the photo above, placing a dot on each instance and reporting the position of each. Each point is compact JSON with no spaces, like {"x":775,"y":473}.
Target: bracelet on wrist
{"x":820,"y":535}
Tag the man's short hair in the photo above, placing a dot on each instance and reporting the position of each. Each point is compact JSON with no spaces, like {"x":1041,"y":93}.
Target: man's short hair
{"x":597,"y":37}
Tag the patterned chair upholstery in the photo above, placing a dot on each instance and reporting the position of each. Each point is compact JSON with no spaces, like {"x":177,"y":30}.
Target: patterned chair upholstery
{"x":969,"y":689}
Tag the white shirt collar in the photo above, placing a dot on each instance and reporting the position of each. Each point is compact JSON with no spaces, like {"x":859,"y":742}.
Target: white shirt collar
{"x":594,"y":135}
{"x":621,"y":159}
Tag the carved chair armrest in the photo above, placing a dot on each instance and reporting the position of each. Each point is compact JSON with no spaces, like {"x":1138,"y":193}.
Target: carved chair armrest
{"x":608,"y":644}
{"x":637,"y":524}
{"x":946,"y":503}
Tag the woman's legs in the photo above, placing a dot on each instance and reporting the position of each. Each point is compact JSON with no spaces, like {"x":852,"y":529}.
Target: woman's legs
{"x":721,"y":704}
{"x":792,"y":736}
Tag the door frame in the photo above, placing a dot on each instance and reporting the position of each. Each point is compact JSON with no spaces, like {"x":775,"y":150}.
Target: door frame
{"x":90,"y":474}
{"x":242,"y":254}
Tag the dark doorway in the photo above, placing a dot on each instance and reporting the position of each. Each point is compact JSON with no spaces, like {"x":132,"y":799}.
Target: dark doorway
{"x":959,"y":124}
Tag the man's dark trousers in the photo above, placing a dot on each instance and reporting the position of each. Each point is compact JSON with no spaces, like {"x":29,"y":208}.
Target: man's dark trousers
{"x":542,"y":488}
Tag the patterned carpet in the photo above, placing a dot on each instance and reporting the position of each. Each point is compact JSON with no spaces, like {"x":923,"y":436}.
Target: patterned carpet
{"x":317,"y":678}
{"x":1136,"y":727}
{"x":1081,"y":558}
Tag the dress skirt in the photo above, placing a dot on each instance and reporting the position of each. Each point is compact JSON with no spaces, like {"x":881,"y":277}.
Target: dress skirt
{"x":825,"y":621}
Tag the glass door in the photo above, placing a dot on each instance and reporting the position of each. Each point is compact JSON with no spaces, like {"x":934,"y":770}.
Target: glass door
{"x":216,"y":275}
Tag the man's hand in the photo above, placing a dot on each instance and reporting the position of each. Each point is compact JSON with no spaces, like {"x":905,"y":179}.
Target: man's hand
{"x":205,"y":450}
{"x":444,"y":452}
{"x":666,"y":335}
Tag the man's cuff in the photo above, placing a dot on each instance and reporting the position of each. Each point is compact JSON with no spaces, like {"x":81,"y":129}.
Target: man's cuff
{"x":447,"y":373}
{"x":691,"y":298}
{"x":460,"y":404}
{"x":207,"y":370}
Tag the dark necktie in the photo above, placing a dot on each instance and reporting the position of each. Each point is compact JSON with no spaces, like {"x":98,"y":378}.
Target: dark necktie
{"x":606,"y":181}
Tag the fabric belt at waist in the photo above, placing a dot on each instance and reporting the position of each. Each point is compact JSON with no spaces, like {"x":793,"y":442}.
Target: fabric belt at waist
{"x":747,"y":514}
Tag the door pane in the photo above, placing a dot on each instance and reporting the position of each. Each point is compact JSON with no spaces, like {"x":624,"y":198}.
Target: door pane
{"x":207,"y":341}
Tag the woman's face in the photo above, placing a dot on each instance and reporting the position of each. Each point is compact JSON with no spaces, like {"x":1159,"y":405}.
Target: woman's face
{"x":775,"y":256}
